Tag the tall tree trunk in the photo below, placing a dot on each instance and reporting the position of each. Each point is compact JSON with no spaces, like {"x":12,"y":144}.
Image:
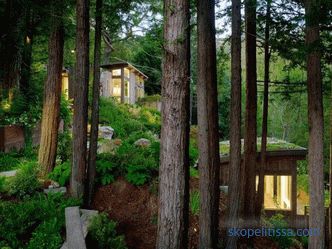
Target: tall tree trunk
{"x":27,"y":52}
{"x":236,"y":172}
{"x":95,"y":105}
{"x":80,"y":117}
{"x":315,"y":115}
{"x":208,"y":134}
{"x":250,"y":135}
{"x":260,"y":194}
{"x":330,"y":208}
{"x":52,"y":93}
{"x":10,"y":48}
{"x":174,"y":152}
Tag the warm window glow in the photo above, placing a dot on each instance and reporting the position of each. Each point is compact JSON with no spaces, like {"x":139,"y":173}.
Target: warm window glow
{"x":116,"y":87}
{"x":127,"y":73}
{"x":116,"y":72}
{"x":277,"y":192}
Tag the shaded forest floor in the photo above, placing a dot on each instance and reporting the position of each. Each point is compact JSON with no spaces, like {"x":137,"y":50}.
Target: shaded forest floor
{"x":136,"y":211}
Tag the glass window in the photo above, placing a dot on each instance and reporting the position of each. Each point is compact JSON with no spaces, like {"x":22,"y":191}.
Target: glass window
{"x":116,"y":87}
{"x":116,"y":72}
{"x":126,"y":73}
{"x":277,"y":192}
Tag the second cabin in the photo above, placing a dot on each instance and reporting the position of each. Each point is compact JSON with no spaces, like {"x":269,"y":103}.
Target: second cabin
{"x":122,"y":81}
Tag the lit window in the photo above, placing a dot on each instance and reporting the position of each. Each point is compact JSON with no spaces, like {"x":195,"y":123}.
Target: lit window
{"x":116,"y":72}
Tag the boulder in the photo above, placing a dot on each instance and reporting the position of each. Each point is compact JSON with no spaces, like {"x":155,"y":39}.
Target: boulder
{"x":106,"y":132}
{"x":143,"y":142}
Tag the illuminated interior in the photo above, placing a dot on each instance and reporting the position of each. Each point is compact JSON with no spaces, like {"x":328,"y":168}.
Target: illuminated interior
{"x":65,"y":85}
{"x":277,"y":192}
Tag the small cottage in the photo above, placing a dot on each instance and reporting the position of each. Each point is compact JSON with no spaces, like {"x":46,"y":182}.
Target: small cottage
{"x":280,"y":176}
{"x":122,"y":81}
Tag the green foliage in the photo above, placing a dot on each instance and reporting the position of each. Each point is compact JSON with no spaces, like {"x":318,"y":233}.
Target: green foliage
{"x":25,"y":182}
{"x":45,"y":236}
{"x":19,"y":111}
{"x":15,"y":159}
{"x":2,"y":184}
{"x":193,"y":154}
{"x":40,"y":220}
{"x":8,"y":161}
{"x":194,"y":202}
{"x":126,"y":119}
{"x":303,"y":183}
{"x":193,"y":172}
{"x":106,"y":169}
{"x":277,"y":221}
{"x":149,"y":99}
{"x":102,"y":233}
{"x":65,"y":112}
{"x":61,"y":173}
{"x":64,"y":149}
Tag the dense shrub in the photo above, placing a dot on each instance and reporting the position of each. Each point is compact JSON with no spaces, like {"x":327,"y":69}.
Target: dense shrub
{"x":34,"y":223}
{"x":126,"y":119}
{"x":61,"y":173}
{"x":277,"y":221}
{"x":194,"y":202}
{"x":2,"y":184}
{"x":25,"y":182}
{"x":64,"y":149}
{"x":102,"y":234}
{"x":14,"y":159}
{"x":8,"y":161}
{"x":139,"y":165}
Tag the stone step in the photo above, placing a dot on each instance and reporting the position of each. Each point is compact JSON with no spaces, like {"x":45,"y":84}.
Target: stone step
{"x":81,"y":224}
{"x":8,"y":173}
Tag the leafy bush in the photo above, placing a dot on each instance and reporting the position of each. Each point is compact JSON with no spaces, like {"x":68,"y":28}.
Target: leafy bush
{"x":45,"y":236}
{"x":102,"y":233}
{"x":14,"y":159}
{"x":37,"y":222}
{"x":139,"y":165}
{"x":277,"y":221}
{"x":64,"y":149}
{"x":193,"y":154}
{"x":106,"y":169}
{"x":25,"y":182}
{"x":20,"y":111}
{"x":2,"y":184}
{"x":8,"y":161}
{"x":61,"y":173}
{"x":194,"y":202}
{"x":126,"y":119}
{"x":303,"y":183}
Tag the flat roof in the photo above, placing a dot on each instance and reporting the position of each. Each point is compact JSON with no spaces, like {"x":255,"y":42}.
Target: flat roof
{"x":121,"y":64}
{"x":275,"y":147}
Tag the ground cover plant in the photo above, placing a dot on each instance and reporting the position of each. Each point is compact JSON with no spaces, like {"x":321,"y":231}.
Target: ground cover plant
{"x":37,"y":222}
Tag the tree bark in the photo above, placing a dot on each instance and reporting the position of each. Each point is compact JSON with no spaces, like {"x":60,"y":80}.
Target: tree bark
{"x":27,"y":52}
{"x":260,"y":194}
{"x":330,"y":208}
{"x":208,"y":134}
{"x":315,"y":116}
{"x":95,"y":105}
{"x":250,"y":135}
{"x":10,"y":49}
{"x":236,"y":172}
{"x":80,"y":99}
{"x":52,"y":94}
{"x":174,"y":152}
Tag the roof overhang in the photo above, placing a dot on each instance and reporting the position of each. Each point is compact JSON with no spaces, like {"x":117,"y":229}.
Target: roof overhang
{"x":119,"y":65}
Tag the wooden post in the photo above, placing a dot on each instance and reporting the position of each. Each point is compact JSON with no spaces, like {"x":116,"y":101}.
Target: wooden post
{"x":2,"y":139}
{"x":294,"y":192}
{"x":122,"y":85}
